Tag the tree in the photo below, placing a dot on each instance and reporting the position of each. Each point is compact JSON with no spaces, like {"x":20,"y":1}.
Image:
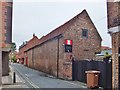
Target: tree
{"x":107,"y":55}
{"x":12,"y":54}
{"x":13,"y":47}
{"x":13,"y":58}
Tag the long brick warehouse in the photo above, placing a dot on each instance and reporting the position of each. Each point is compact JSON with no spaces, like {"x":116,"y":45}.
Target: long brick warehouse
{"x":78,"y":38}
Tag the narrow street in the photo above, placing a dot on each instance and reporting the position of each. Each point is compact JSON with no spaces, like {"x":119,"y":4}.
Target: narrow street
{"x":38,"y":79}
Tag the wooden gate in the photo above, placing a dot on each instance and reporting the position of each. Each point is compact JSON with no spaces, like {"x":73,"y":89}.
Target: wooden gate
{"x":105,"y":67}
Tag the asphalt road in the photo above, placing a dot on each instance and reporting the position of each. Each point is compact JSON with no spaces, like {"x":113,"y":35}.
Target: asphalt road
{"x":38,"y":79}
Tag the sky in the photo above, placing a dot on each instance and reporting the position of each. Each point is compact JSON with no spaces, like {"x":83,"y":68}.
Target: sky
{"x":41,"y":17}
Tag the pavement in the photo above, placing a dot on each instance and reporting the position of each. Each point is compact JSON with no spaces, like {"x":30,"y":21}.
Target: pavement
{"x":7,"y":81}
{"x":31,"y":79}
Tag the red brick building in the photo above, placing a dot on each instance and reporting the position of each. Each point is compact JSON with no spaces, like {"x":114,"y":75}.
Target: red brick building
{"x":113,"y":7}
{"x":25,"y":46}
{"x":105,"y":48}
{"x":78,"y":38}
{"x":5,"y":33}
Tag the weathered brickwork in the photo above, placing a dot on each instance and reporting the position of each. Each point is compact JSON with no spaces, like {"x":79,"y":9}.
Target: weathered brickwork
{"x":49,"y":55}
{"x":115,"y":59}
{"x":113,"y":28}
{"x":113,"y":14}
{"x":6,"y":21}
{"x":25,"y":46}
{"x":44,"y":57}
{"x":83,"y":46}
{"x":5,"y":33}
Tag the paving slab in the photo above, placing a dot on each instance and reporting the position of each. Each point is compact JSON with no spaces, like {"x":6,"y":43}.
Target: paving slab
{"x":7,"y":81}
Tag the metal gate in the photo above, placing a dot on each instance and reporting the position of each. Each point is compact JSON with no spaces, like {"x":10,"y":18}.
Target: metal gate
{"x":105,"y":68}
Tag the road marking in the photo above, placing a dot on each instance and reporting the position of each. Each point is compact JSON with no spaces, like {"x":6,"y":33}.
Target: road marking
{"x":35,"y":86}
{"x":71,"y":83}
{"x":28,"y":75}
{"x":75,"y":84}
{"x":83,"y":87}
{"x":28,"y":80}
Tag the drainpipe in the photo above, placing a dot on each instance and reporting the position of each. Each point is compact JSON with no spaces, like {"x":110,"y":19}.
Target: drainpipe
{"x":58,"y":58}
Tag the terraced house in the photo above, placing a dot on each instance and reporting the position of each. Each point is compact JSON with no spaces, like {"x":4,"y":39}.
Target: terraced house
{"x":76,"y":39}
{"x":5,"y":33}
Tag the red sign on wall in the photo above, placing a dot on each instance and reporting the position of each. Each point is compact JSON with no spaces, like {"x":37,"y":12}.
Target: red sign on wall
{"x":68,"y":42}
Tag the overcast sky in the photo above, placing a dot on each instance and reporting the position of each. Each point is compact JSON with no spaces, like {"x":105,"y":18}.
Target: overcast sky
{"x":41,"y":17}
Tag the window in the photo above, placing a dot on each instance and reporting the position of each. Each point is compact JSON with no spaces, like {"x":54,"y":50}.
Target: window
{"x":85,"y":33}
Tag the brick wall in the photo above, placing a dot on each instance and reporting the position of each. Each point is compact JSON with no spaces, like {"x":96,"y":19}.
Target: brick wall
{"x":27,"y":45}
{"x":0,"y":25}
{"x":47,"y":54}
{"x":30,"y":58}
{"x":113,"y":14}
{"x":5,"y":34}
{"x":32,"y":42}
{"x":114,"y":21}
{"x":44,"y":57}
{"x":21,"y":51}
{"x":6,"y":21}
{"x":83,"y":48}
{"x":115,"y":60}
